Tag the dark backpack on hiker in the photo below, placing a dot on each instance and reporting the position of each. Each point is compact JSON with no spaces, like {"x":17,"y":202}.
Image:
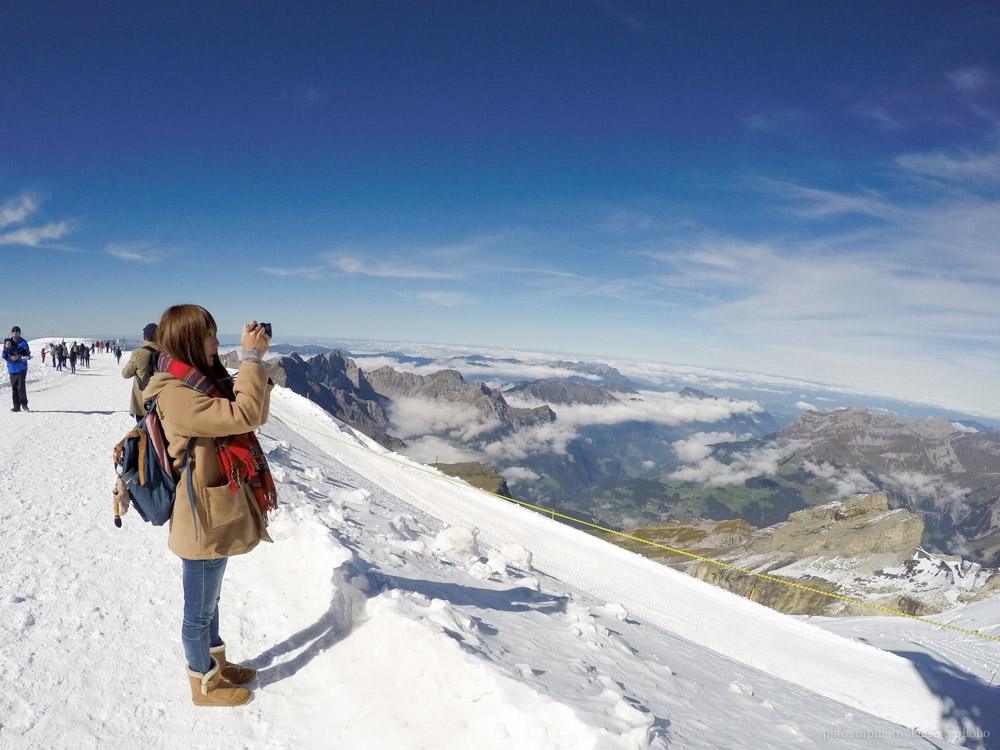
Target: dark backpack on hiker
{"x":154,"y":355}
{"x":143,"y":464}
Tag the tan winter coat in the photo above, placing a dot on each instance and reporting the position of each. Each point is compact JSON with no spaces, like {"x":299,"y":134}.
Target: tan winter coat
{"x":228,"y":523}
{"x":138,"y":367}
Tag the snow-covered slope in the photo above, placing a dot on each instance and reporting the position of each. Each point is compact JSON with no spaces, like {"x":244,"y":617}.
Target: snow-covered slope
{"x":401,"y":609}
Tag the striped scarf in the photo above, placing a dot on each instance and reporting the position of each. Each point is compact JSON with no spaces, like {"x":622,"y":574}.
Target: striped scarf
{"x":240,"y":456}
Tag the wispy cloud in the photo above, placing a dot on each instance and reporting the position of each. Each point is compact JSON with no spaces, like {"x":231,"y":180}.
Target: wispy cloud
{"x":303,"y":95}
{"x":17,"y":211}
{"x":354,"y":265}
{"x":780,"y":121}
{"x":36,"y":236}
{"x":969,"y":80}
{"x":311,"y":95}
{"x":137,"y":253}
{"x":962,"y":167}
{"x":629,"y":20}
{"x":881,"y":117}
{"x":972,"y":84}
{"x":447,"y":299}
{"x":309,"y":272}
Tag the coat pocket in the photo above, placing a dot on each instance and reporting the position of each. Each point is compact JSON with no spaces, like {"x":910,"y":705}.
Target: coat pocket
{"x":223,"y":506}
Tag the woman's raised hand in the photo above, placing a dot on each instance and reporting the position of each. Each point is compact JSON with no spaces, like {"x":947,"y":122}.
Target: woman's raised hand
{"x":254,"y":337}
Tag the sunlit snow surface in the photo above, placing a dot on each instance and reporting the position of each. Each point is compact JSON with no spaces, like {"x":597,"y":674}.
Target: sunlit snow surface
{"x":400,"y":609}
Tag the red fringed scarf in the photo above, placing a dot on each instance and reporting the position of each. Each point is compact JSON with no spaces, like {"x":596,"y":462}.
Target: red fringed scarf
{"x":240,"y":456}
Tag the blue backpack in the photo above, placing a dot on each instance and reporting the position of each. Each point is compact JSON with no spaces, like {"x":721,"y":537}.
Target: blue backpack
{"x":143,"y":464}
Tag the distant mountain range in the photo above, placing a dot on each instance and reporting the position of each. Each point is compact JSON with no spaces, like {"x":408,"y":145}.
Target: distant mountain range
{"x":950,"y":476}
{"x":943,"y":471}
{"x":496,"y":416}
{"x":631,"y":472}
{"x":594,"y":470}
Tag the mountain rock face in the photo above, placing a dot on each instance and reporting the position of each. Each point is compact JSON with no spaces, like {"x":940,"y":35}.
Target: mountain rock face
{"x":478,"y":475}
{"x":944,"y":472}
{"x":950,"y":476}
{"x":449,"y":385}
{"x":335,"y":382}
{"x":857,"y":548}
{"x":606,"y":373}
{"x":568,"y":392}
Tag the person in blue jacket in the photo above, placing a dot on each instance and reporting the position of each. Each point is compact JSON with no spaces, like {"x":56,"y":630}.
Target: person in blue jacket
{"x":17,"y":354}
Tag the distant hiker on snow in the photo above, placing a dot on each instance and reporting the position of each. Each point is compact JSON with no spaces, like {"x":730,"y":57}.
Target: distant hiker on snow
{"x":197,"y":399}
{"x":17,"y":354}
{"x":140,"y":366}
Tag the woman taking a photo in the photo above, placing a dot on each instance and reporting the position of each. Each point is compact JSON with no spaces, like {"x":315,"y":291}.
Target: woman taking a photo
{"x":198,"y":401}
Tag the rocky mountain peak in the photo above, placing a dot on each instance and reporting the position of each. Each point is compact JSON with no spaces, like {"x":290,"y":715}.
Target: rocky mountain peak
{"x":856,"y":548}
{"x":694,"y":393}
{"x":567,"y":392}
{"x":450,"y":386}
{"x":859,"y":421}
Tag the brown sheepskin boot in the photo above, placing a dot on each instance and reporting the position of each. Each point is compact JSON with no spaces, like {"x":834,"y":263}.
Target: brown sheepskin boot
{"x":210,"y":689}
{"x":234,"y":673}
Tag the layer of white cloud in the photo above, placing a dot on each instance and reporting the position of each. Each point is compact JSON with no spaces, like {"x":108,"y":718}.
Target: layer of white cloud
{"x":515,"y":474}
{"x":431,"y":449}
{"x":915,"y":484}
{"x":498,"y":374}
{"x":414,"y":417}
{"x":551,"y":437}
{"x":659,"y":408}
{"x":845,"y":482}
{"x":698,"y":447}
{"x":755,"y":462}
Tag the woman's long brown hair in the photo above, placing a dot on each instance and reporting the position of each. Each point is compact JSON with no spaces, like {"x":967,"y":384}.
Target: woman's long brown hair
{"x":182,"y":333}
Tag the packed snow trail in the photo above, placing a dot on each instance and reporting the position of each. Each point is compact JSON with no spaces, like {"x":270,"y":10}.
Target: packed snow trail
{"x":377,"y":619}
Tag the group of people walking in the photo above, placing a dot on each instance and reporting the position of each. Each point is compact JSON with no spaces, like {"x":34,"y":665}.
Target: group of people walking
{"x":17,"y":352}
{"x":60,"y":353}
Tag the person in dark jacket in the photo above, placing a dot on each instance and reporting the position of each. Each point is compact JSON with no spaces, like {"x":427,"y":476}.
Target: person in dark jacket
{"x":17,"y":354}
{"x":140,"y":367}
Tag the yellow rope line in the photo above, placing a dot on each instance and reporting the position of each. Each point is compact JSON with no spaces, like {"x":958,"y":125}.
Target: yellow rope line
{"x":551,"y":512}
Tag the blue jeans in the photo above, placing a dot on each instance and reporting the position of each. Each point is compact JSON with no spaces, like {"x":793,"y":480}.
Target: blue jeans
{"x":200,"y":629}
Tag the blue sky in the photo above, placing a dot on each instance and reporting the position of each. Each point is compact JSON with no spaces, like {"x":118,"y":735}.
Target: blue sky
{"x":805,"y":189}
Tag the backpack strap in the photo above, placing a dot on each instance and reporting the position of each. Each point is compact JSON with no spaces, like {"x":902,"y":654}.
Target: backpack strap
{"x":187,"y":465}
